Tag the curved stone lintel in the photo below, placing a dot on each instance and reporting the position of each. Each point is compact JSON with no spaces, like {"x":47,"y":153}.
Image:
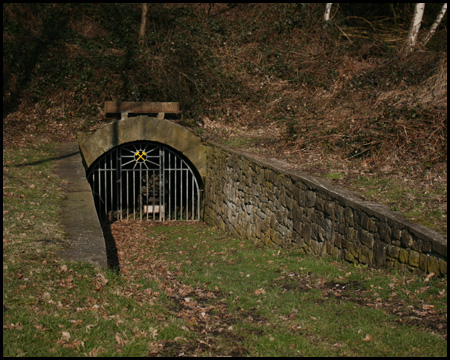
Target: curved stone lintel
{"x":145,"y":128}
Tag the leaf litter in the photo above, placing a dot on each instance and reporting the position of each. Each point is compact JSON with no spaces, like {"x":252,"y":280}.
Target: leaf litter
{"x":207,"y":314}
{"x":204,"y":311}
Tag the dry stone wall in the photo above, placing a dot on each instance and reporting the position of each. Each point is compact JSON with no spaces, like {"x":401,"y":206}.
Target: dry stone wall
{"x":260,"y":200}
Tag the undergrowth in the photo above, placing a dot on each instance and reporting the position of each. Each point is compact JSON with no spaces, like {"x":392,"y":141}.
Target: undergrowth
{"x":308,"y":92}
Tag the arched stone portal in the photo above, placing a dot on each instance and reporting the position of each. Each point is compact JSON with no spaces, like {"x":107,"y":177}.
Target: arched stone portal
{"x":127,"y":156}
{"x":145,"y":128}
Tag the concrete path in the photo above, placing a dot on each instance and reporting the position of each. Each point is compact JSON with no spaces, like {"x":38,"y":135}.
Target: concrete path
{"x":79,"y":216}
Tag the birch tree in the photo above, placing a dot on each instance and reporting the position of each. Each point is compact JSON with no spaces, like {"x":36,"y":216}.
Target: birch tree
{"x":435,"y":25}
{"x":411,"y":40}
{"x":143,"y":23}
{"x":326,"y":15}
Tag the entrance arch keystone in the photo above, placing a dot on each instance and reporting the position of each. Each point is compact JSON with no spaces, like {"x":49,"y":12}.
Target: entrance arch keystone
{"x":145,"y":128}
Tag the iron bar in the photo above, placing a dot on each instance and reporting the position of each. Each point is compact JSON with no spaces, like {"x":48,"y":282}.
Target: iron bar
{"x":149,"y":180}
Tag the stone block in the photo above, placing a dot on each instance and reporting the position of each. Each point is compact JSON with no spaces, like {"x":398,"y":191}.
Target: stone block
{"x":366,"y":238}
{"x":396,"y":233}
{"x":310,"y":198}
{"x":365,"y":255}
{"x":385,"y":232}
{"x":440,"y":246}
{"x":433,"y":265}
{"x":417,"y":245}
{"x":348,"y":214}
{"x":443,"y":267}
{"x":352,"y":248}
{"x":413,"y":258}
{"x":349,"y":256}
{"x":406,"y":239}
{"x":423,"y":262}
{"x":329,"y":208}
{"x":352,"y":234}
{"x":427,"y":246}
{"x":323,"y":249}
{"x":393,"y":251}
{"x":403,"y":256}
{"x":307,"y":234}
{"x":315,"y":247}
{"x":339,"y":214}
{"x":338,"y":240}
{"x":380,"y":253}
{"x":320,"y":204}
{"x":364,"y":219}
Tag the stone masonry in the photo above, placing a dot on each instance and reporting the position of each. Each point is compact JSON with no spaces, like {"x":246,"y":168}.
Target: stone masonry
{"x":143,"y":128}
{"x":259,"y":200}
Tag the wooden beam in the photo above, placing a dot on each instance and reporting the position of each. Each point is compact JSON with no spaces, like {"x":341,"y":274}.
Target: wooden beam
{"x":141,"y":107}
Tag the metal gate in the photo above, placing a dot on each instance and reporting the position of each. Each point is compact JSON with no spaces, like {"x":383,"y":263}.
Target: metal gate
{"x":145,"y":180}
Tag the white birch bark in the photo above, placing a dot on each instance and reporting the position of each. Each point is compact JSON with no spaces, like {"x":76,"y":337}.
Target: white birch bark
{"x":435,"y":25}
{"x":143,"y":23}
{"x":411,"y":40}
{"x":326,"y":15}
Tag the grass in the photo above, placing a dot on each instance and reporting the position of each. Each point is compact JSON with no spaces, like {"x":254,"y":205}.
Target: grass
{"x":422,"y":206}
{"x":189,"y":289}
{"x":220,"y":295}
{"x":334,"y":176}
{"x":279,"y":302}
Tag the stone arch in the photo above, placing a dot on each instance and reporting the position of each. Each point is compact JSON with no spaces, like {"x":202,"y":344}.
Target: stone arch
{"x":145,"y":128}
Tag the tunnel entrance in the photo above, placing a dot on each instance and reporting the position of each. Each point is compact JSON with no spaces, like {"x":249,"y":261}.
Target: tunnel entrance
{"x":145,"y":180}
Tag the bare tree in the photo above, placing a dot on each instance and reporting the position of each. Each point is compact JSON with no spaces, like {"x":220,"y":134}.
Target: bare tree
{"x":326,"y":15}
{"x":143,"y":23}
{"x":435,"y":25}
{"x":411,"y":40}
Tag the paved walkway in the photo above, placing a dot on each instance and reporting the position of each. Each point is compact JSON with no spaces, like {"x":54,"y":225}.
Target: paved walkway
{"x":79,"y":216}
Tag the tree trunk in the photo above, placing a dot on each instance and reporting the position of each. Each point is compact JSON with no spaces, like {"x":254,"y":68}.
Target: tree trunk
{"x":411,"y":40}
{"x":326,"y":16}
{"x":143,"y":23}
{"x":435,"y":25}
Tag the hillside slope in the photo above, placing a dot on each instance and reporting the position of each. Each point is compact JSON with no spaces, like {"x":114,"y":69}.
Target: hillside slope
{"x":332,"y":99}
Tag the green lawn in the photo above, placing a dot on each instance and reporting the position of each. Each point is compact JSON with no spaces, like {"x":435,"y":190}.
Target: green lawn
{"x":189,"y":289}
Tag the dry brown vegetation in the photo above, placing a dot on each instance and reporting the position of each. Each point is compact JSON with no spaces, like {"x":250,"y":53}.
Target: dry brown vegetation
{"x":335,"y":100}
{"x":332,"y":99}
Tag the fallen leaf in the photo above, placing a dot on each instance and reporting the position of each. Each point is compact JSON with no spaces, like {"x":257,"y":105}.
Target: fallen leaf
{"x":367,"y":338}
{"x":423,"y":289}
{"x":153,"y":332}
{"x":427,"y":307}
{"x":100,"y":282}
{"x":16,"y":326}
{"x":88,"y":328}
{"x":95,"y":351}
{"x":76,"y":322}
{"x":65,"y":336}
{"x":154,"y":348}
{"x":76,"y":344}
{"x":41,"y":327}
{"x":260,"y":291}
{"x":120,"y":341}
{"x":429,"y":276}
